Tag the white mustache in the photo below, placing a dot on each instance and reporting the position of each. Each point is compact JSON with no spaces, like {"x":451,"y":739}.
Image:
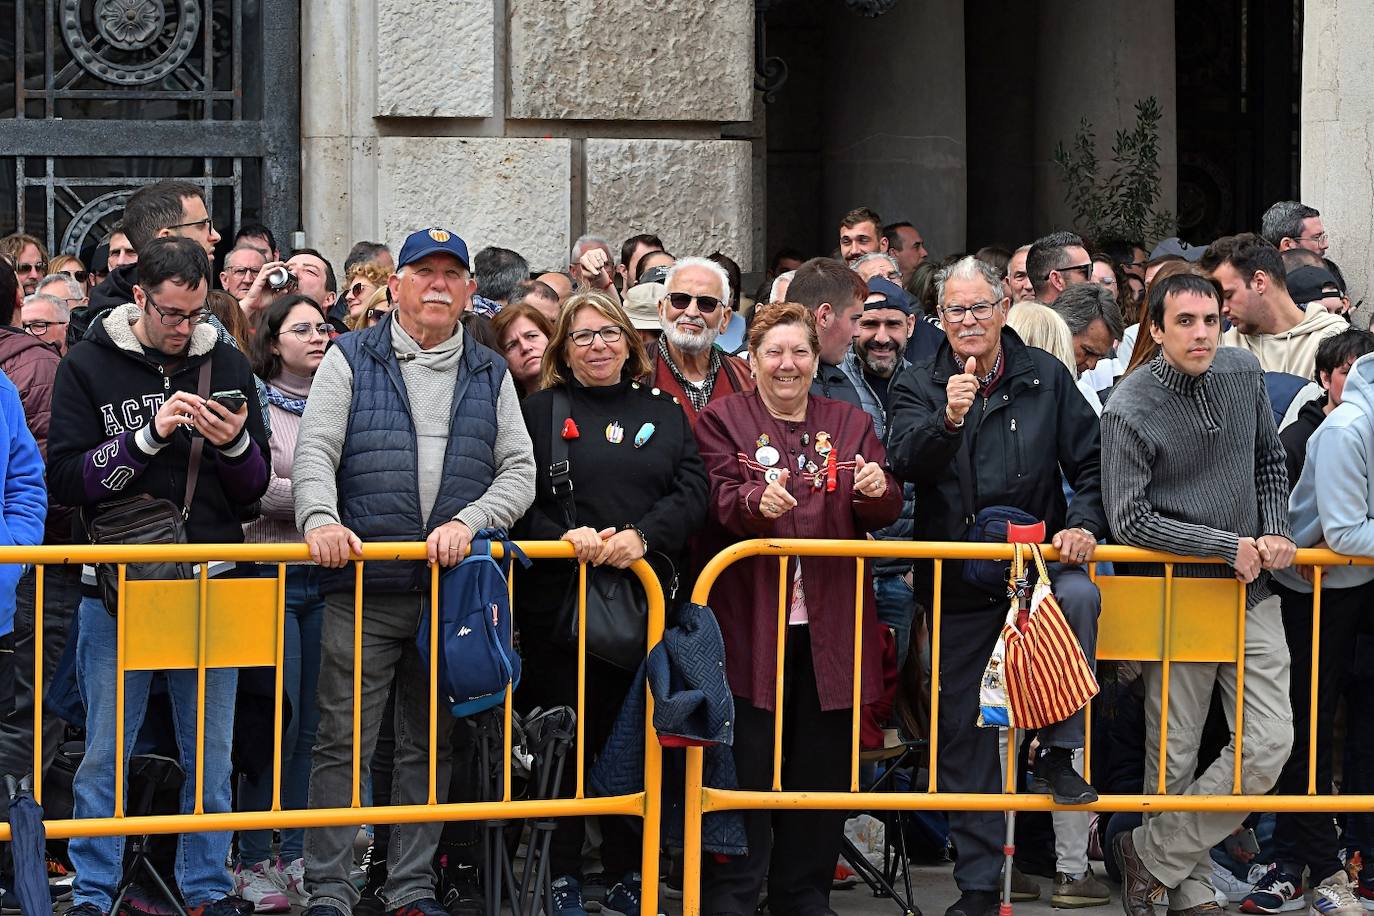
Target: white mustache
{"x":691,"y":323}
{"x":440,"y":298}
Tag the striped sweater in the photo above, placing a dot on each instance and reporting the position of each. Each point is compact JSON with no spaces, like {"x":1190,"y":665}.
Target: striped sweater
{"x":1192,"y":463}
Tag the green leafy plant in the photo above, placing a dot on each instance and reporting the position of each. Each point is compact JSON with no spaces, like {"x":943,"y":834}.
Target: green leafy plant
{"x":1121,"y":203}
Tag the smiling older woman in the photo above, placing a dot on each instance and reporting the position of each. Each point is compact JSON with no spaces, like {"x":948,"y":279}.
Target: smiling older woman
{"x":785,"y":463}
{"x":638,"y":487}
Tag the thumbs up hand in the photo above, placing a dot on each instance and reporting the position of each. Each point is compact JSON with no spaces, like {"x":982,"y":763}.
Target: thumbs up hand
{"x":869,"y":479}
{"x":960,"y":391}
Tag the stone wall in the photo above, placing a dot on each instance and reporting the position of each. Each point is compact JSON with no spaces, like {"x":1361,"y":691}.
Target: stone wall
{"x":524,"y":123}
{"x":1338,"y":133}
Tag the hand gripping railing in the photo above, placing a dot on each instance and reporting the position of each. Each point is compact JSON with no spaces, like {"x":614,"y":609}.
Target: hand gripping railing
{"x":1164,"y":619}
{"x":207,"y":623}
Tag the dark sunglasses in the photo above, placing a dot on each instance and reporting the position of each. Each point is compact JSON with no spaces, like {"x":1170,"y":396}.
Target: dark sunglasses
{"x":79,"y":276}
{"x":705,"y":304}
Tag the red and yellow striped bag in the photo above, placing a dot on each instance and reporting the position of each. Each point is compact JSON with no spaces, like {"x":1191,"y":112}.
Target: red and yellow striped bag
{"x":1037,"y":674}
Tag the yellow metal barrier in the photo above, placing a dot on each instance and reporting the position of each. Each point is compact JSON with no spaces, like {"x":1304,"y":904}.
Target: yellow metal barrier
{"x":207,"y":623}
{"x":1166,"y":619}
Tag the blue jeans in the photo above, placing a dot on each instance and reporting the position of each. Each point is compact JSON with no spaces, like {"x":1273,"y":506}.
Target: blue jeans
{"x":896,"y":607}
{"x":99,"y":861}
{"x":300,"y":675}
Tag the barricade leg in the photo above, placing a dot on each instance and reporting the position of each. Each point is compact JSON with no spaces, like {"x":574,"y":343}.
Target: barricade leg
{"x":1174,"y":846}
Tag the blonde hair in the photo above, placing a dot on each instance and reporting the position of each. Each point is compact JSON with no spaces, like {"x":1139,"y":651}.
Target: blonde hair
{"x":555,"y":369}
{"x":1040,"y":326}
{"x":376,"y":274}
{"x":359,"y":321}
{"x":65,"y":263}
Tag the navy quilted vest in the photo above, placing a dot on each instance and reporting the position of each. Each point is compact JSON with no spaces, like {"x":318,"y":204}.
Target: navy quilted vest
{"x":378,"y":478}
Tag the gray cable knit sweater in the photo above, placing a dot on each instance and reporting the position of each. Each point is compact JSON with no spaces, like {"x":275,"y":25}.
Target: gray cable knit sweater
{"x":429,"y":378}
{"x":1192,"y":463}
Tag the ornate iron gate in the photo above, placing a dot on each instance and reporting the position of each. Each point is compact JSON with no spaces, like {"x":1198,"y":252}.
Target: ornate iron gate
{"x":108,"y":95}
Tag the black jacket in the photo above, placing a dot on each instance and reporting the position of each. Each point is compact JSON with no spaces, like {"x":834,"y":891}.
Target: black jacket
{"x":831,"y":382}
{"x":101,"y":447}
{"x":1295,"y":435}
{"x":115,"y":290}
{"x":1034,"y":425}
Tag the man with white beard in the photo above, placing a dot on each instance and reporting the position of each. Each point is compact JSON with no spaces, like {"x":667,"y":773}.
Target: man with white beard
{"x":693,"y":312}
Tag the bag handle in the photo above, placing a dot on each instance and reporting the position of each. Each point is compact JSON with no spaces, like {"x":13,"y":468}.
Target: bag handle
{"x":197,"y":444}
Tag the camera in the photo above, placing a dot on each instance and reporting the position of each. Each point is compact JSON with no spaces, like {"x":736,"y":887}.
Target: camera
{"x":279,"y":278}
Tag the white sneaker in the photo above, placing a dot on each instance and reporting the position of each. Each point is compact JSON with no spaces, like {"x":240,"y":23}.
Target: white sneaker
{"x":1235,"y":888}
{"x":1335,"y":897}
{"x":255,"y":885}
{"x":290,"y":877}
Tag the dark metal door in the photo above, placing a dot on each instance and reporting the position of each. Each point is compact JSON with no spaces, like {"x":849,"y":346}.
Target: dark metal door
{"x":99,"y":97}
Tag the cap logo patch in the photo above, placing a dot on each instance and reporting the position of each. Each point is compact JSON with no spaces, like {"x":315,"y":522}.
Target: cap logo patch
{"x":439,"y":235}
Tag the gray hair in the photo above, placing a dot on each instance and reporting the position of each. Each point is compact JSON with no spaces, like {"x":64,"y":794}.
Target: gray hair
{"x":874,"y":256}
{"x":1083,"y":303}
{"x":57,"y":302}
{"x":1284,"y":221}
{"x":248,"y":246}
{"x":968,"y":268}
{"x":580,"y":247}
{"x":74,"y":289}
{"x":785,"y":276}
{"x":705,"y":264}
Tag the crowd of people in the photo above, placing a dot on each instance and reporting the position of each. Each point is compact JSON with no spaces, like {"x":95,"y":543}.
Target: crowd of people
{"x":1208,"y":401}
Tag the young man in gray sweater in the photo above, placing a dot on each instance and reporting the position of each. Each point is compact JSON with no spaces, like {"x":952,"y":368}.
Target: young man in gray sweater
{"x":1192,"y":464}
{"x":412,"y":432}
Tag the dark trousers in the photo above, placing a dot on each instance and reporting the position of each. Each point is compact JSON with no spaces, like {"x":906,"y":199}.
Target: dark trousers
{"x":548,"y":679}
{"x":795,"y":850}
{"x":1309,"y":838}
{"x":969,"y":759}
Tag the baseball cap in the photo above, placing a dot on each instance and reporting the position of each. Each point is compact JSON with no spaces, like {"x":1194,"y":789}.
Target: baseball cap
{"x":894,"y":297}
{"x":641,"y":305}
{"x":428,"y":241}
{"x":1176,"y":246}
{"x":1309,"y":284}
{"x":658,"y":274}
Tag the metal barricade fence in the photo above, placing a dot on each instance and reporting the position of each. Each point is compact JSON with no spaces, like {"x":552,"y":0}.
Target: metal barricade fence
{"x":206,"y":623}
{"x":1163,"y":619}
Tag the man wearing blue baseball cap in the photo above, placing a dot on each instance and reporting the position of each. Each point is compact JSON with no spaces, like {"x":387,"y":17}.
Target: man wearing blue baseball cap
{"x":412,"y":432}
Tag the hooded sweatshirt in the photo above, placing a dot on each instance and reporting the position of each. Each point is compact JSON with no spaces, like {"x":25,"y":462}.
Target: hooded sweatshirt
{"x":1293,"y":352}
{"x":1334,"y":498}
{"x":25,"y":502}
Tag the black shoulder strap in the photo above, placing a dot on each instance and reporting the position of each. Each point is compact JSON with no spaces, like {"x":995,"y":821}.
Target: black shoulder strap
{"x":560,"y":472}
{"x":197,"y":443}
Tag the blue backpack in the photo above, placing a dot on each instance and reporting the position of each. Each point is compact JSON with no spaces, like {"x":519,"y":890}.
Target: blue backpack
{"x":477,"y":658}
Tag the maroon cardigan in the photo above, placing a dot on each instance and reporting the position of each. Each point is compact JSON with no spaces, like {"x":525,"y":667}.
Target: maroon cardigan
{"x":745,"y":597}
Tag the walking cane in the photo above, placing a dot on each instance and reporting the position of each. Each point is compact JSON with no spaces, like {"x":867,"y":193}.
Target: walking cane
{"x":1020,"y":590}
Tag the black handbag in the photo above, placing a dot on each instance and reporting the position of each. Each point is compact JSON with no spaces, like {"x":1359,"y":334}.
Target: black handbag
{"x":986,"y":525}
{"x":617,"y":608}
{"x":145,"y":519}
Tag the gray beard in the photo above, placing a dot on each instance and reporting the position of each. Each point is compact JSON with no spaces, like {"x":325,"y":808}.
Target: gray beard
{"x":689,"y":343}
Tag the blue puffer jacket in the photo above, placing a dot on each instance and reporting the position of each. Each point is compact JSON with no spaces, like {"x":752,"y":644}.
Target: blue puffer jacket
{"x":378,"y":478}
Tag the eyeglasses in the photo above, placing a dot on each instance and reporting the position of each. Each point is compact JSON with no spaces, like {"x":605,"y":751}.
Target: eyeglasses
{"x":705,"y":304}
{"x":39,"y":328}
{"x":241,"y":272}
{"x":954,"y":314}
{"x":171,"y":319}
{"x":37,"y":267}
{"x":1086,"y":268}
{"x":208,"y":223}
{"x":1320,"y":238}
{"x":1108,"y":281}
{"x":376,"y":314}
{"x":305,"y":331}
{"x":610,"y":334}
{"x":79,"y":276}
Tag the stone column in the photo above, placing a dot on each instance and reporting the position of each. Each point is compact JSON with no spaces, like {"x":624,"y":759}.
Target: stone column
{"x":524,"y":123}
{"x":1337,"y":139}
{"x":1096,"y":60}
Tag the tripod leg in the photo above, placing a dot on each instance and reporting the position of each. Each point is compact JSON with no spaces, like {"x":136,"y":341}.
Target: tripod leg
{"x":157,"y":879}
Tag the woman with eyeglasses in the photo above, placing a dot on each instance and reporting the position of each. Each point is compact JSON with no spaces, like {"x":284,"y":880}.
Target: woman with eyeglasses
{"x":287,"y":347}
{"x":638,"y":491}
